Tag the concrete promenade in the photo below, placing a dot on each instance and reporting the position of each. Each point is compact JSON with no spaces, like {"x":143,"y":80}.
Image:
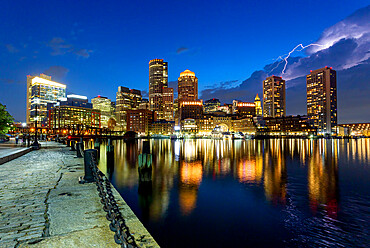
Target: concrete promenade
{"x":43,"y":205}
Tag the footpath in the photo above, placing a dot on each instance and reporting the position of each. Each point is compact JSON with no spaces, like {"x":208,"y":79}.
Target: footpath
{"x":43,"y":205}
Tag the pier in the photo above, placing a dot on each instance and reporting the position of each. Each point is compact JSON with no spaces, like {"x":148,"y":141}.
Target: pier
{"x":42,"y":204}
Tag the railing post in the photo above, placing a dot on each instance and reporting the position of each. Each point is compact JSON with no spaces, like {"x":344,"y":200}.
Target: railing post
{"x":79,"y":148}
{"x":73,"y":145}
{"x":89,"y":156}
{"x":97,"y":147}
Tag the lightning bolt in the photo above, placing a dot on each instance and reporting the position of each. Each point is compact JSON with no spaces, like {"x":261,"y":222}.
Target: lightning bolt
{"x":285,"y":59}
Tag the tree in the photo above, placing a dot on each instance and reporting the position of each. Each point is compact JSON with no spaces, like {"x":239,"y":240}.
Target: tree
{"x":5,"y":120}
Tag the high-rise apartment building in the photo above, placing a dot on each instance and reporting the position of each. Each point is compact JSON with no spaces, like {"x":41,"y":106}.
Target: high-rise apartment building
{"x":168,"y":112}
{"x":322,"y":99}
{"x":41,"y":90}
{"x":257,"y":103}
{"x":158,"y":80}
{"x":106,"y":109}
{"x":187,"y":86}
{"x":126,"y":99}
{"x":274,"y":97}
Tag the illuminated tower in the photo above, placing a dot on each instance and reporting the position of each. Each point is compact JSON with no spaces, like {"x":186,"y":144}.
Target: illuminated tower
{"x":322,"y":99}
{"x":257,"y":103}
{"x":106,"y":109}
{"x":158,"y":80}
{"x":187,"y":86}
{"x":41,"y":90}
{"x":168,"y":113}
{"x":274,"y":97}
{"x":126,"y":99}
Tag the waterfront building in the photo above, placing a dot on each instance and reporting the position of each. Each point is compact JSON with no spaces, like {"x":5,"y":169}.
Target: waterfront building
{"x":158,"y":80}
{"x":274,"y":97}
{"x":189,"y":126}
{"x":191,"y":109}
{"x":289,"y":125}
{"x":211,"y":105}
{"x":355,"y":129}
{"x":106,"y":109}
{"x":73,"y":112}
{"x":244,"y":125}
{"x":205,"y":124}
{"x":41,"y":90}
{"x":246,"y":109}
{"x":126,"y":99}
{"x":168,"y":113}
{"x":139,"y":120}
{"x":257,"y":103}
{"x":162,"y":127}
{"x":187,"y":86}
{"x":322,"y":99}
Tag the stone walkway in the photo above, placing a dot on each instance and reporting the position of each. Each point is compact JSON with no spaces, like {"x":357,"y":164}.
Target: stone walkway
{"x":42,"y":205}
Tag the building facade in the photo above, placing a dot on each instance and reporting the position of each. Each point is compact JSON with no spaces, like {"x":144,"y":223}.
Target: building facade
{"x":187,"y":86}
{"x":106,"y":109}
{"x":289,"y":125}
{"x":73,"y":112}
{"x":41,"y":90}
{"x":211,"y":105}
{"x":162,"y":127}
{"x":245,"y":109}
{"x":322,"y":99}
{"x":139,"y":120}
{"x":158,"y":80}
{"x":274,"y":97}
{"x":126,"y":99}
{"x":191,"y":109}
{"x":168,"y":111}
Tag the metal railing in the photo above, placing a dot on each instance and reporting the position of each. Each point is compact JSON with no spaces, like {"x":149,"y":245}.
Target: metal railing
{"x":122,"y":234}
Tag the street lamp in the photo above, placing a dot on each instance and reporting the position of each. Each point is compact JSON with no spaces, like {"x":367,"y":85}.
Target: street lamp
{"x":35,"y":144}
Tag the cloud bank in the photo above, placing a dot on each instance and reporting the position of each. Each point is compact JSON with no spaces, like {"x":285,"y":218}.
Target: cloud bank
{"x":345,"y":46}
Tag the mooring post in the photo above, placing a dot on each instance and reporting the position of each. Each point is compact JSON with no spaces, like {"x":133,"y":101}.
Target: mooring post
{"x":89,"y":157}
{"x":145,"y":163}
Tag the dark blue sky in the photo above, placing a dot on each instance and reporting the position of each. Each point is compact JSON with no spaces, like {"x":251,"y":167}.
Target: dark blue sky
{"x":96,"y":46}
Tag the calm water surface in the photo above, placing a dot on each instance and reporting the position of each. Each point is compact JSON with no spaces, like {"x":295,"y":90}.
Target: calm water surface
{"x":249,"y":193}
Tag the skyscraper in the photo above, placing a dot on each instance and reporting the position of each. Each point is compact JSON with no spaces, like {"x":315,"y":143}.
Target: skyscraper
{"x":126,"y":99}
{"x":158,"y":80}
{"x":257,"y":103}
{"x":274,"y":97}
{"x":41,"y":90}
{"x":187,"y":86}
{"x":322,"y":99}
{"x":168,"y":113}
{"x":106,"y":109}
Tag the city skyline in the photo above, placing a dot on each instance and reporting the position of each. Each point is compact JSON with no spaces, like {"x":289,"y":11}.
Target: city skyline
{"x":180,"y":64}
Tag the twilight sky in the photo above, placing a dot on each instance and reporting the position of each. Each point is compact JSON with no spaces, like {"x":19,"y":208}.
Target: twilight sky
{"x":96,"y":46}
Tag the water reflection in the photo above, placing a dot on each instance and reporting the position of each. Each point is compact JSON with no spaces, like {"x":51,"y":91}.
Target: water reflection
{"x":323,"y":177}
{"x":298,"y":177}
